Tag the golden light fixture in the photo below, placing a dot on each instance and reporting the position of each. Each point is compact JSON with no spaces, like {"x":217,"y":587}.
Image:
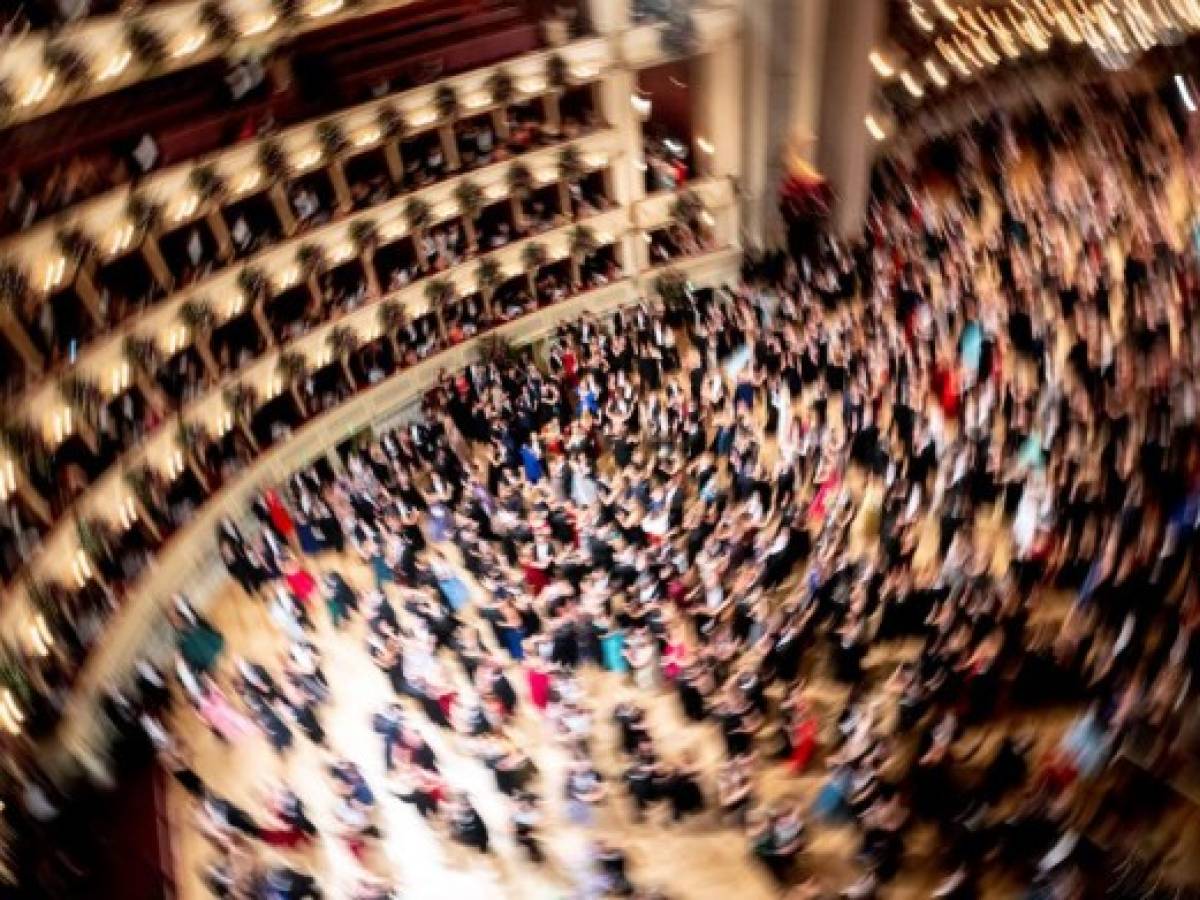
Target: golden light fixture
{"x":116,"y":65}
{"x":936,"y":75}
{"x":879,"y":63}
{"x":875,"y":129}
{"x":911,"y":85}
{"x":190,"y":44}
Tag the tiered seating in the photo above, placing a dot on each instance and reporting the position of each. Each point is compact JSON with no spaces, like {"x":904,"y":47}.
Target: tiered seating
{"x":162,"y":339}
{"x":165,"y":378}
{"x":189,"y":113}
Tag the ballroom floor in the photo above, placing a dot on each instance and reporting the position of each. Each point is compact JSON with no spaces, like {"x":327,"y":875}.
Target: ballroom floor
{"x":699,"y":860}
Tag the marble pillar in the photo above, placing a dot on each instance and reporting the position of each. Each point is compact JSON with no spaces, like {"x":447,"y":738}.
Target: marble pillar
{"x":845,"y":151}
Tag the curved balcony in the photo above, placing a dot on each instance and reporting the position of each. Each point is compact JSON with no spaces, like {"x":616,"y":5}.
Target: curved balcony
{"x":125,"y":222}
{"x":189,"y":560}
{"x":188,"y":34}
{"x":291,"y":305}
{"x":103,"y":360}
{"x":114,"y":505}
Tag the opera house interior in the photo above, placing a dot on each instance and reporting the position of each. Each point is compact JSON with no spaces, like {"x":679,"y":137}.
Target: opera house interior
{"x":541,"y":449}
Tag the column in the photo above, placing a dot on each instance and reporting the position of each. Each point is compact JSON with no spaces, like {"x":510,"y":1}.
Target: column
{"x":783,"y":59}
{"x":845,"y":151}
{"x":609,"y":16}
{"x":717,"y":111}
{"x":629,"y":183}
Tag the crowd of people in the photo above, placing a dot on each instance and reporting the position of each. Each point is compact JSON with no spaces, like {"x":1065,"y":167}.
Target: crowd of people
{"x":863,"y":514}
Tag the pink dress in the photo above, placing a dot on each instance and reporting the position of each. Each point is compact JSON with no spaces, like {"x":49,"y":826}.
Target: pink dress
{"x":672,"y":659}
{"x":222,"y":718}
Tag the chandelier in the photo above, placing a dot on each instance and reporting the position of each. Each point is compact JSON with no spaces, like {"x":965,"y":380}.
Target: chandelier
{"x":968,"y":39}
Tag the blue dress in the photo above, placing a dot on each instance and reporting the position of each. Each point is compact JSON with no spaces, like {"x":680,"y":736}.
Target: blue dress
{"x":512,"y":638}
{"x":531,"y":463}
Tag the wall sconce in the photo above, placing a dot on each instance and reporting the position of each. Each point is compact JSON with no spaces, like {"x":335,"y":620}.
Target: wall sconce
{"x":190,"y":45}
{"x":81,"y":568}
{"x":128,"y":513}
{"x":39,"y":89}
{"x":705,"y":145}
{"x":249,"y":181}
{"x":8,"y":479}
{"x":122,"y":239}
{"x":920,"y":18}
{"x":259,"y":25}
{"x":54,"y":272}
{"x":288,"y":277}
{"x":61,"y":425}
{"x":936,"y":75}
{"x":945,"y":10}
{"x":328,"y":8}
{"x":641,"y":105}
{"x":120,"y":378}
{"x":10,"y":713}
{"x":910,"y":84}
{"x":879,"y":63}
{"x":116,"y":65}
{"x":187,"y":208}
{"x":40,"y":637}
{"x":177,"y":339}
{"x":875,"y":129}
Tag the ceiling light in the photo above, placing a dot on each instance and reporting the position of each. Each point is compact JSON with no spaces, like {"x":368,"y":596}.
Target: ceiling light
{"x":921,"y":18}
{"x":936,"y":75}
{"x":945,"y":10}
{"x":911,"y":85}
{"x":1185,"y":93}
{"x":882,"y":67}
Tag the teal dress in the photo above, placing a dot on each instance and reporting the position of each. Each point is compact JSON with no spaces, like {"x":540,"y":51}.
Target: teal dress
{"x":201,"y":647}
{"x":612,"y":651}
{"x":383,"y":572}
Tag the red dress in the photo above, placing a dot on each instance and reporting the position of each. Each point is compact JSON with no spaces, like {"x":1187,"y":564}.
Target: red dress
{"x":280,"y":517}
{"x":539,"y":687}
{"x":302,"y":584}
{"x":536,"y":578}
